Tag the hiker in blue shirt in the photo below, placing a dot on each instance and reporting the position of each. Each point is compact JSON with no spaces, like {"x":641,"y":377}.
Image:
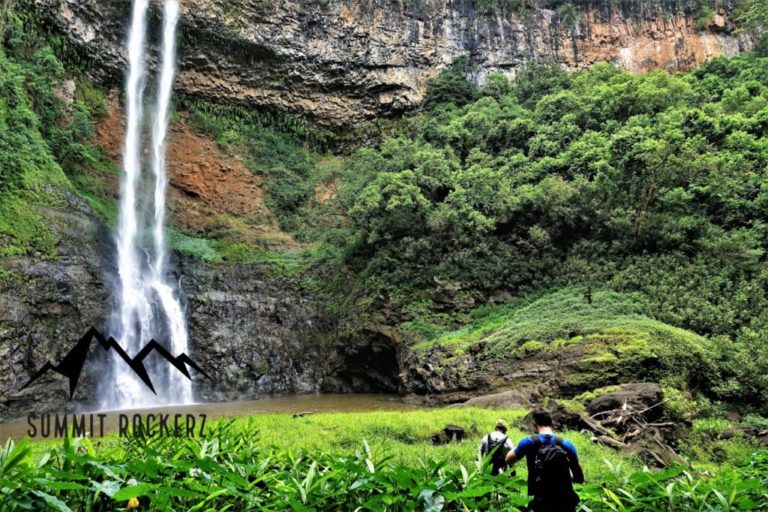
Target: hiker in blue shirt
{"x":553,"y":466}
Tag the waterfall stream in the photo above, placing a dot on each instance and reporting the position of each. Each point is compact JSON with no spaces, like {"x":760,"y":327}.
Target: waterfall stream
{"x":148,"y":305}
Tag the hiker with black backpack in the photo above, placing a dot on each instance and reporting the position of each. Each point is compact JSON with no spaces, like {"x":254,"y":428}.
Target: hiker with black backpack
{"x":553,"y":467}
{"x":498,"y":445}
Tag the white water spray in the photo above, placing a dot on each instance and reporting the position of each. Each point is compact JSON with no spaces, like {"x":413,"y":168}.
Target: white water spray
{"x":149,"y":306}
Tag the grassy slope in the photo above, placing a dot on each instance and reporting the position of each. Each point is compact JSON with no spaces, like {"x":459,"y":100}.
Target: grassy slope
{"x":551,"y":318}
{"x":613,"y":329}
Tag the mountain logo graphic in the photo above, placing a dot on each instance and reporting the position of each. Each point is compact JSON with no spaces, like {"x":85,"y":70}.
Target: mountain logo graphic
{"x":72,"y":364}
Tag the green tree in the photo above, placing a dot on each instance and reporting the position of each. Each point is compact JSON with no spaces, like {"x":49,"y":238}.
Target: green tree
{"x":451,"y":86}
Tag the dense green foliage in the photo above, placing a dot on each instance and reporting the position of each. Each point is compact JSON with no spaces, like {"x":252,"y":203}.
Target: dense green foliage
{"x":752,"y":15}
{"x":499,"y":195}
{"x":638,"y":183}
{"x":26,"y":160}
{"x":451,"y":86}
{"x":379,"y":461}
{"x":45,"y":138}
{"x":211,"y":250}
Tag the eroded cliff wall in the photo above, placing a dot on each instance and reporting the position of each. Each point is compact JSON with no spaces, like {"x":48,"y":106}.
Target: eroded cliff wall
{"x":341,"y":61}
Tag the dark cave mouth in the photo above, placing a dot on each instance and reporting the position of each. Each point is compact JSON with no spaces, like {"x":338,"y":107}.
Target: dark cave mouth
{"x":371,"y":368}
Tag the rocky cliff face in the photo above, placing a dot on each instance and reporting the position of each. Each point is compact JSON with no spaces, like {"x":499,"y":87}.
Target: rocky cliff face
{"x":259,"y":334}
{"x":254,"y":332}
{"x":338,"y":62}
{"x":254,"y":329}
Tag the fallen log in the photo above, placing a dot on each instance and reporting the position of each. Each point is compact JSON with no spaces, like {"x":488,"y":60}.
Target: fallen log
{"x":609,"y":441}
{"x":595,"y":426}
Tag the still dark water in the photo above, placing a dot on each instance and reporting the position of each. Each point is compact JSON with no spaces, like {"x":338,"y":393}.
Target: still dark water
{"x":290,"y":404}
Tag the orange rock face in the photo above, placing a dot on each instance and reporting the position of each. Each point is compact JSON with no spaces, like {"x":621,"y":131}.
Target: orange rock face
{"x":196,"y":168}
{"x":209,"y":190}
{"x":674,"y":43}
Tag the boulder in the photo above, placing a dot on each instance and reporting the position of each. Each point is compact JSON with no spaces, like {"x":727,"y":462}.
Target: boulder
{"x":505,"y":400}
{"x":449,"y":434}
{"x":638,"y":398}
{"x":562,"y":417}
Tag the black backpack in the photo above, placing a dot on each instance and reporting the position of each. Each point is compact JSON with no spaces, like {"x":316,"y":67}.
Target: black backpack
{"x":498,"y":450}
{"x":551,"y":481}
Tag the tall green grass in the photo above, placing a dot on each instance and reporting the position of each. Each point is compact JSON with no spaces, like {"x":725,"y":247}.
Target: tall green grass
{"x":405,"y":436}
{"x":378,"y":461}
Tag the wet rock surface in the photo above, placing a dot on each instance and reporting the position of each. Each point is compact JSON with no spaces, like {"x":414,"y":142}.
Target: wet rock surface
{"x":258,"y":334}
{"x":46,"y":305}
{"x":341,"y":62}
{"x":248,"y":332}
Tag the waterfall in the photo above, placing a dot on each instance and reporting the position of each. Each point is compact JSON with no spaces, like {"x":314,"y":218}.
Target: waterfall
{"x":148,"y":303}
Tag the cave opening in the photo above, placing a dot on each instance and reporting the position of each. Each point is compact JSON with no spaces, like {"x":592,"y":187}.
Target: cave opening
{"x":371,"y":367}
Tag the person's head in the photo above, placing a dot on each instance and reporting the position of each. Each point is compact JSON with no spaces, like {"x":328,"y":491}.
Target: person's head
{"x":542,"y":419}
{"x":501,"y":426}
